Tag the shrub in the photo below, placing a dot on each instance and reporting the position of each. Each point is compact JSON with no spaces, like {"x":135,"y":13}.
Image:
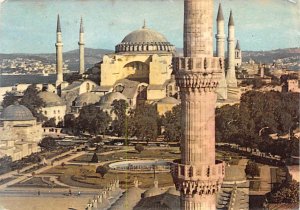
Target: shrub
{"x":139,"y":148}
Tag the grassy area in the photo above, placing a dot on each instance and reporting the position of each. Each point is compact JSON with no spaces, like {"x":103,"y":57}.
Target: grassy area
{"x":37,"y":182}
{"x":172,"y":153}
{"x":230,"y":157}
{"x":85,"y":176}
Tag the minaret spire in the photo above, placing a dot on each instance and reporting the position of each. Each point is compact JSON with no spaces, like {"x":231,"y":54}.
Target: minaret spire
{"x":144,"y":25}
{"x":81,"y":26}
{"x":231,"y":21}
{"x":58,"y":27}
{"x":220,"y":15}
{"x":237,"y":47}
{"x":230,"y":76}
{"x":59,"y":54}
{"x":81,"y":48}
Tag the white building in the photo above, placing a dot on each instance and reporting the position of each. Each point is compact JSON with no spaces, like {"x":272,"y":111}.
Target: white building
{"x":54,"y":106}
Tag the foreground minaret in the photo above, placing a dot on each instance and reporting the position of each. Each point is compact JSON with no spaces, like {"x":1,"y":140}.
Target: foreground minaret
{"x":220,"y":43}
{"x":59,"y":54}
{"x":230,"y":76}
{"x":81,"y":48}
{"x":197,"y":175}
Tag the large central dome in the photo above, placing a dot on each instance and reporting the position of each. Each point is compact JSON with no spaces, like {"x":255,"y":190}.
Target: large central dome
{"x":144,"y":35}
{"x":144,"y":40}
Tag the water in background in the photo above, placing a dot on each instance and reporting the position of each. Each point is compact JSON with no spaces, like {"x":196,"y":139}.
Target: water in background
{"x":11,"y":80}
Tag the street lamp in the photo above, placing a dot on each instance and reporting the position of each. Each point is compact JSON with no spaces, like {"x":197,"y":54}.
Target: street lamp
{"x":260,"y":131}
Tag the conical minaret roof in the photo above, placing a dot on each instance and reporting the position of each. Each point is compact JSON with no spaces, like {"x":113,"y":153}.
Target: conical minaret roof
{"x":81,"y":26}
{"x":237,"y":47}
{"x":220,"y":15}
{"x":231,"y":21}
{"x":58,"y":24}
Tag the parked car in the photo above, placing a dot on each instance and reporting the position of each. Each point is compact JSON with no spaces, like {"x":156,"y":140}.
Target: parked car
{"x":118,"y":143}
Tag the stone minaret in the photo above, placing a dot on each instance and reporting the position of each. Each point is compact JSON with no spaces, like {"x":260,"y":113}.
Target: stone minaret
{"x":197,"y":175}
{"x":220,"y":36}
{"x":230,"y":76}
{"x":220,"y":39}
{"x":81,"y":48}
{"x":59,"y":54}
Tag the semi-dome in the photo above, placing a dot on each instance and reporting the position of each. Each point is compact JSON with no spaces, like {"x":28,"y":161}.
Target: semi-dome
{"x":86,"y":99}
{"x":16,"y":112}
{"x":108,"y":99}
{"x":51,"y":99}
{"x":144,"y":40}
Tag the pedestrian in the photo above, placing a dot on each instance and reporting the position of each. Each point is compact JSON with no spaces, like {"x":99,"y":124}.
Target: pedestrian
{"x":70,"y":192}
{"x":39,"y":193}
{"x":78,"y":193}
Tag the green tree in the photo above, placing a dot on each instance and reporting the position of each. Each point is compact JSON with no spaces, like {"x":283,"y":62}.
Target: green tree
{"x":119,"y":108}
{"x":252,"y":169}
{"x":139,"y":148}
{"x":172,"y":123}
{"x":102,"y":170}
{"x":71,"y":123}
{"x":93,"y":120}
{"x":50,"y":123}
{"x":227,"y":123}
{"x":9,"y":99}
{"x":287,"y":192}
{"x":48,"y":143}
{"x":33,"y":102}
{"x":143,"y":122}
{"x":94,"y":158}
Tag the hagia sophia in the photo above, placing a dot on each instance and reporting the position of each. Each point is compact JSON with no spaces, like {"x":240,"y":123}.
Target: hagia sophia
{"x":141,"y":70}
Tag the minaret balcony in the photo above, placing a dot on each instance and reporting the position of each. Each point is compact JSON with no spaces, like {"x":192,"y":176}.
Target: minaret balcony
{"x":198,"y":64}
{"x":200,"y":179}
{"x":199,"y":172}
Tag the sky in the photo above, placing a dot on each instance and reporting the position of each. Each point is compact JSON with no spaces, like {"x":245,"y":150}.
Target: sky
{"x":28,"y":26}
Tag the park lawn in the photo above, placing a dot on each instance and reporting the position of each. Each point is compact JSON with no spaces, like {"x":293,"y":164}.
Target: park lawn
{"x":86,"y":176}
{"x":230,"y":157}
{"x":172,"y":153}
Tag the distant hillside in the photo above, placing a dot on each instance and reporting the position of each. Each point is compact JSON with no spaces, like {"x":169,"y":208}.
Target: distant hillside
{"x":273,"y":55}
{"x":92,"y":56}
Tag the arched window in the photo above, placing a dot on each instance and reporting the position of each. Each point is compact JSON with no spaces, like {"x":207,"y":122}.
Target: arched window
{"x":170,"y":91}
{"x":87,"y":87}
{"x":142,"y":93}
